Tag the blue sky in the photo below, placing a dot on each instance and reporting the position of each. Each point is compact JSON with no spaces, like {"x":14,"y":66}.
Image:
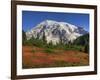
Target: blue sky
{"x":31,"y":18}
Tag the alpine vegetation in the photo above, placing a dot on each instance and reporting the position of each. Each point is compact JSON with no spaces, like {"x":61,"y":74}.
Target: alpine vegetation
{"x":55,"y":44}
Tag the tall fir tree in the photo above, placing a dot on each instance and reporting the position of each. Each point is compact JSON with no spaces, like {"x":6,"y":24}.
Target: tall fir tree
{"x":44,"y":38}
{"x":23,"y":37}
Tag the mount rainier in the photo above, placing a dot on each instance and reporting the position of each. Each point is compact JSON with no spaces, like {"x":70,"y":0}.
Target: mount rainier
{"x":56,"y":31}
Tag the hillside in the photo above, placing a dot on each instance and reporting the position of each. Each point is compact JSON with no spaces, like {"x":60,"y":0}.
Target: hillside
{"x":55,"y":32}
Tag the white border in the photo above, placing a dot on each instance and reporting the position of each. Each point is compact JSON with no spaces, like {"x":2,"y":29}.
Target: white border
{"x":21,"y":71}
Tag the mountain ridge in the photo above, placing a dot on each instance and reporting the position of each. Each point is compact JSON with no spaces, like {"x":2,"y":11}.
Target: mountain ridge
{"x":56,"y":32}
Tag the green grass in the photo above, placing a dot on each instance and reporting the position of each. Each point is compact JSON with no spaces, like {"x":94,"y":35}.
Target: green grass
{"x":48,"y":50}
{"x":33,"y":51}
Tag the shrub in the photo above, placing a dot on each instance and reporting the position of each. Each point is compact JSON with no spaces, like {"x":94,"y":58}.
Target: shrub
{"x":33,"y":51}
{"x":48,"y":50}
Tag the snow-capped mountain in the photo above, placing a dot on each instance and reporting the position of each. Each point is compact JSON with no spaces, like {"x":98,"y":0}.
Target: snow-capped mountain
{"x":56,"y":31}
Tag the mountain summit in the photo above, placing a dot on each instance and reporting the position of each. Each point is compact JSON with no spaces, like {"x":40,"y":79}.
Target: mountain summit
{"x":56,"y":32}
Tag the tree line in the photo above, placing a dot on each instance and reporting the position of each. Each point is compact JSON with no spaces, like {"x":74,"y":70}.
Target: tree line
{"x":80,"y":44}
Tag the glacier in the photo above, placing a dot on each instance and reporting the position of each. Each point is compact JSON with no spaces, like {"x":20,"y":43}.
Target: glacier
{"x":55,"y":31}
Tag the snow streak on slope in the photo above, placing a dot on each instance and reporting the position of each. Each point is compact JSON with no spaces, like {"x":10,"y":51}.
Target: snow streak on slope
{"x":56,"y":31}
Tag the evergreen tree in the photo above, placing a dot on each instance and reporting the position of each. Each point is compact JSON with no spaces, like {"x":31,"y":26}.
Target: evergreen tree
{"x":86,"y":48}
{"x":44,"y":38}
{"x":23,"y":37}
{"x":37,"y":36}
{"x":82,"y":40}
